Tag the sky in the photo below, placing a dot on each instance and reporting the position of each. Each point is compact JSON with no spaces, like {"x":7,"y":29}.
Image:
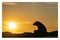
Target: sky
{"x":26,"y":13}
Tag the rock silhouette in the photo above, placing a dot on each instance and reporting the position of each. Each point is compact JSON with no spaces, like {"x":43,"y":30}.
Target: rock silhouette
{"x":41,"y":29}
{"x":41,"y":32}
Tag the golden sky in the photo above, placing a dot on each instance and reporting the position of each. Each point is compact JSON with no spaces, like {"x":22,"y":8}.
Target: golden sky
{"x":26,"y":13}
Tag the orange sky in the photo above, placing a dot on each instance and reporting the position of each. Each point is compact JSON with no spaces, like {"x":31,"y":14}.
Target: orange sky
{"x":23,"y":12}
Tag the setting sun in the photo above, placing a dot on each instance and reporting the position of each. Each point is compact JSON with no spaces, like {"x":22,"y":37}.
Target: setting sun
{"x":12,"y":25}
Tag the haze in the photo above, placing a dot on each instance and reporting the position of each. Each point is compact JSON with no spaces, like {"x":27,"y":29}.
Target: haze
{"x":26,"y":13}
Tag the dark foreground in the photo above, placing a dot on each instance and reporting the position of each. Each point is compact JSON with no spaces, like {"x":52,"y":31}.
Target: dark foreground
{"x":29,"y":35}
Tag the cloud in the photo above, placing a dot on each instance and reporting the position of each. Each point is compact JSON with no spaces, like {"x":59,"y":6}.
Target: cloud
{"x":9,"y":3}
{"x":32,"y":4}
{"x":47,"y":4}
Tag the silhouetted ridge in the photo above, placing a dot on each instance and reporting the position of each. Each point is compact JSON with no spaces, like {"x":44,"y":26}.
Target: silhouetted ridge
{"x":52,"y":34}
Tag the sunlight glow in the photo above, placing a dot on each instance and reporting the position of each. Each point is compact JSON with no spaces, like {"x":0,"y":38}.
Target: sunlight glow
{"x":11,"y":25}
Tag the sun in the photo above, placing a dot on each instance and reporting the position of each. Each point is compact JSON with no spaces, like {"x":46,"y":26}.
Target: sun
{"x":11,"y":25}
